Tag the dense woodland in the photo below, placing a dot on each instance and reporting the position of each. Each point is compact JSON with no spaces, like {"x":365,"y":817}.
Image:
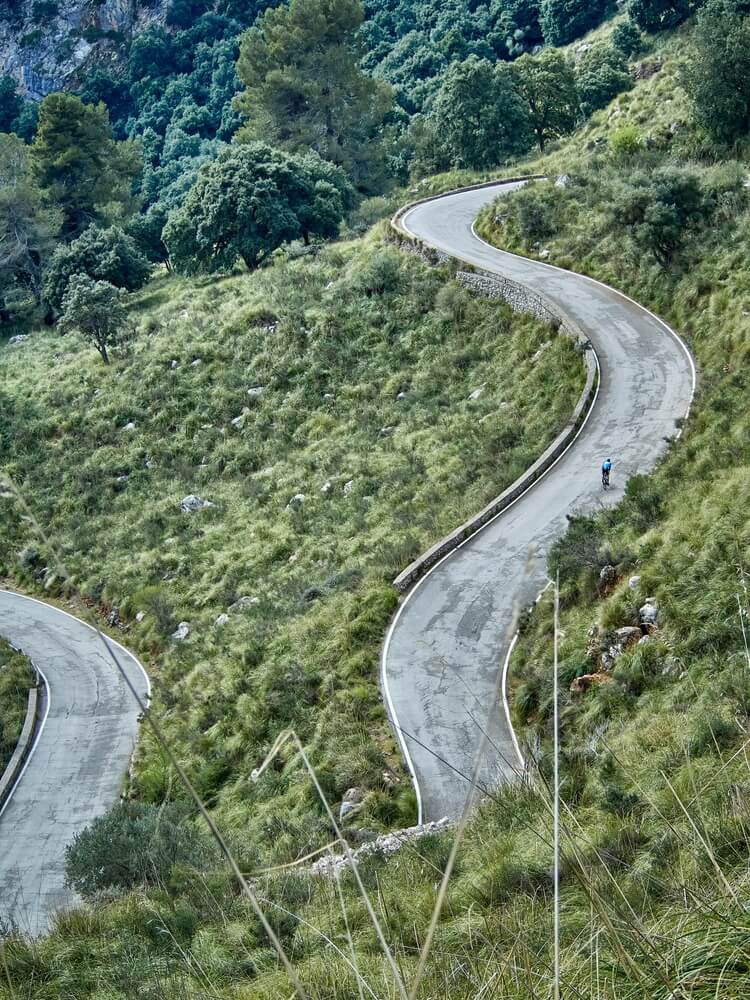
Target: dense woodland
{"x":303,"y":110}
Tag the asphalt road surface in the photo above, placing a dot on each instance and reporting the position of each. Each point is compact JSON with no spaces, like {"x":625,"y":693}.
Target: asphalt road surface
{"x":81,"y":756}
{"x":443,"y":657}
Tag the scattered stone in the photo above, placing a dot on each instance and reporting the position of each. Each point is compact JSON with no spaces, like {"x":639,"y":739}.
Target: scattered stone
{"x":401,"y":395}
{"x":349,"y":486}
{"x":148,"y":462}
{"x":173,"y":364}
{"x":193,"y":503}
{"x":121,"y":480}
{"x":383,"y":846}
{"x":328,"y":396}
{"x":256,"y":390}
{"x":113,"y":617}
{"x":140,"y":616}
{"x":648,"y":68}
{"x":628,"y":635}
{"x":19,"y":338}
{"x":237,"y":421}
{"x":580,"y":50}
{"x":326,"y":488}
{"x":581,"y":685}
{"x":296,"y":502}
{"x":633,"y":582}
{"x":181,"y":632}
{"x":476,"y":393}
{"x":562,"y":181}
{"x":221,"y":620}
{"x":385,"y":431}
{"x":544,"y":254}
{"x":244,"y":602}
{"x":97,"y":392}
{"x":607,"y":576}
{"x":129,"y":426}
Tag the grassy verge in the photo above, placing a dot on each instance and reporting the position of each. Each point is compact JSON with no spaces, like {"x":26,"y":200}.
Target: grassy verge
{"x":16,"y":677}
{"x":323,"y":407}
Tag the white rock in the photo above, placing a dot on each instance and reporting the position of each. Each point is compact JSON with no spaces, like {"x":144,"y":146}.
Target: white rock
{"x":562,"y":181}
{"x":173,"y":364}
{"x":244,"y":602}
{"x":544,"y":254}
{"x":326,"y":487}
{"x":401,"y":395}
{"x":129,"y":426}
{"x":633,"y":582}
{"x":256,"y":390}
{"x":19,"y":338}
{"x":476,"y":393}
{"x":193,"y":503}
{"x":348,"y":487}
{"x":221,"y":620}
{"x":181,"y":632}
{"x":649,"y":613}
{"x":140,"y":616}
{"x":236,"y":421}
{"x":194,"y":364}
{"x":328,"y":395}
{"x":296,"y":502}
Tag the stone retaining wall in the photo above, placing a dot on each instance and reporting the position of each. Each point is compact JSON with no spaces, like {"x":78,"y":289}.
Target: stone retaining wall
{"x":25,"y":742}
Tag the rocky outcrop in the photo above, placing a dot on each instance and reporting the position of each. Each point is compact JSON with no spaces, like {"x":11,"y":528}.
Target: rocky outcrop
{"x":49,"y":56}
{"x":383,"y":846}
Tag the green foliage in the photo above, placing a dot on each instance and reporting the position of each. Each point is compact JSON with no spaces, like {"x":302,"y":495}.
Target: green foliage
{"x":108,"y":255}
{"x":658,"y":15}
{"x":478,"y":117}
{"x":10,"y":103}
{"x":563,"y":21}
{"x":96,"y":310}
{"x":627,"y":38}
{"x":27,"y":231}
{"x":146,"y":230}
{"x":716,"y":75}
{"x":134,"y":844}
{"x":547,"y":85}
{"x":16,"y":677}
{"x":625,"y":142}
{"x":79,"y":166}
{"x":247,"y":203}
{"x":305,"y":90}
{"x":601,"y":74}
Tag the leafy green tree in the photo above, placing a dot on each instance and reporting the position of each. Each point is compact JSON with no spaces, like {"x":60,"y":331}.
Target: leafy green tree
{"x":547,"y":85}
{"x":657,"y":209}
{"x":27,"y":229}
{"x":147,"y":230}
{"x":627,"y":38}
{"x":305,"y":89}
{"x":95,"y":309}
{"x":716,"y":76}
{"x":134,"y":844}
{"x":10,"y":103}
{"x":101,"y":254}
{"x":479,"y":115}
{"x":79,"y":165}
{"x":601,"y":74}
{"x":658,"y":15}
{"x":563,"y":21}
{"x":247,"y":203}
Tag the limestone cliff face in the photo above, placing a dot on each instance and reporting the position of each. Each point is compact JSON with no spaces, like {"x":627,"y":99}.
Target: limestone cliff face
{"x":51,"y":52}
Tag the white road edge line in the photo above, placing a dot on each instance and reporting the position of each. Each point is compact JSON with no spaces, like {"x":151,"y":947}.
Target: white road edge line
{"x":96,"y":631}
{"x":417,"y":585}
{"x":37,"y":738}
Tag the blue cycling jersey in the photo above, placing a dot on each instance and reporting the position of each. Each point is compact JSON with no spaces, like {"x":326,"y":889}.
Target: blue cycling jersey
{"x":606,"y":466}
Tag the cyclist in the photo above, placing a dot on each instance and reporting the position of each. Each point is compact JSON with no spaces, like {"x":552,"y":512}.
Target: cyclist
{"x":606,"y":469}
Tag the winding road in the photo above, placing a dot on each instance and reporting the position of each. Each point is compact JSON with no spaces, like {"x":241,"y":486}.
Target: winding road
{"x":81,"y":754}
{"x":444,"y":653}
{"x":443,"y":659}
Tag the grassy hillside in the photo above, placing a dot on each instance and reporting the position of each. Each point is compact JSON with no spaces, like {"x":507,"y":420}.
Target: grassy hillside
{"x":323,"y":407}
{"x":16,"y":678}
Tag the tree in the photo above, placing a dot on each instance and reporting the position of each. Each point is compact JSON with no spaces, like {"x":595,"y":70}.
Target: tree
{"x":10,"y":103}
{"x":146,"y":230}
{"x":627,"y":38}
{"x":658,"y":210}
{"x":547,"y":85}
{"x":563,"y":21}
{"x":101,"y":254}
{"x":27,"y":228}
{"x":96,"y":309}
{"x":658,"y":15}
{"x":247,"y":203}
{"x":716,"y":77}
{"x":79,"y":165}
{"x":133,"y":844}
{"x":601,"y":74}
{"x":305,"y":89}
{"x":479,"y":115}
